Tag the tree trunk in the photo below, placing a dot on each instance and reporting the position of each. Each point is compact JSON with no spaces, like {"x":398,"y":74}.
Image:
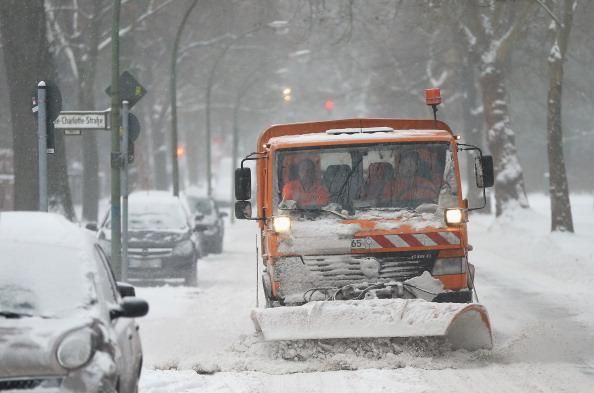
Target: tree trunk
{"x":561,"y":218}
{"x":27,"y":59}
{"x":509,"y":178}
{"x":86,"y":90}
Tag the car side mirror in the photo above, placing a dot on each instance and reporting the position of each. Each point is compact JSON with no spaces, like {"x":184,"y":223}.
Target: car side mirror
{"x":243,"y":184}
{"x":130,"y":307}
{"x":483,"y":169}
{"x":223,"y":214}
{"x":92,"y":226}
{"x":243,"y":210}
{"x":126,"y":290}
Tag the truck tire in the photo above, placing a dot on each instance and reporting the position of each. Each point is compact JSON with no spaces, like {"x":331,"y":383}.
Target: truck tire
{"x":266,"y":286}
{"x":217,"y":247}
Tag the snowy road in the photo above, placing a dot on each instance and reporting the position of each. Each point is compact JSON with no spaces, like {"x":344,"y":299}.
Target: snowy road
{"x":536,"y":286}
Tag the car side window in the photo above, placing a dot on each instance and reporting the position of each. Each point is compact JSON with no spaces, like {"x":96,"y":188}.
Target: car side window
{"x":105,"y":277}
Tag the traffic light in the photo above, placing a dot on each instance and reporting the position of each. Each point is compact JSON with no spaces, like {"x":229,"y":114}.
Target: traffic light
{"x":287,"y":94}
{"x":181,"y":151}
{"x":329,"y":105}
{"x":133,"y":133}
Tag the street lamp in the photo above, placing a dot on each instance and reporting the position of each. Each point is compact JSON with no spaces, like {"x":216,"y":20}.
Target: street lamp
{"x":173,"y":91}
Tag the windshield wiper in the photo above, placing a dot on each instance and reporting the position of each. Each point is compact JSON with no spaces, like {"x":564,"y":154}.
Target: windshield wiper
{"x":321,"y":209}
{"x":14,"y":315}
{"x":334,"y":212}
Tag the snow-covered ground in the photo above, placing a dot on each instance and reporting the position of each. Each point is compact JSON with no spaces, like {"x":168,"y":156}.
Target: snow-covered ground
{"x":536,"y":285}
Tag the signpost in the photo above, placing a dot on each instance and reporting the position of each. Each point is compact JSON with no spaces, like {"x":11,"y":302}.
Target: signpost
{"x":42,"y":145}
{"x":128,"y":91}
{"x":47,"y":103}
{"x":124,"y":187}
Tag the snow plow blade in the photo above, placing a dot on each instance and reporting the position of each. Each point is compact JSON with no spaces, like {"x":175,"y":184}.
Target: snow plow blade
{"x":464,"y":325}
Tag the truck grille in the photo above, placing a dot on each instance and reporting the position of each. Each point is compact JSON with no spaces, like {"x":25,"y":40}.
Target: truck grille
{"x":149,"y":252}
{"x":337,"y":270}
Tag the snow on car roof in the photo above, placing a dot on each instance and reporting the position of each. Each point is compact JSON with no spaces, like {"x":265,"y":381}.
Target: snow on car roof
{"x":349,"y":135}
{"x":164,"y":196}
{"x":41,"y":228}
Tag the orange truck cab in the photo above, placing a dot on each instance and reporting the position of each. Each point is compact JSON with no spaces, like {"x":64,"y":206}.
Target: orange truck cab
{"x":361,"y":209}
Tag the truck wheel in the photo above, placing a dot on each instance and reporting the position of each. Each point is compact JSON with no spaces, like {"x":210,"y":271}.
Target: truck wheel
{"x":267,"y":290}
{"x":217,"y":247}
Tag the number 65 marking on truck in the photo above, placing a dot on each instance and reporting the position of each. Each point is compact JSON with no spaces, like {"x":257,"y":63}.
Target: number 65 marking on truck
{"x":360,"y":243}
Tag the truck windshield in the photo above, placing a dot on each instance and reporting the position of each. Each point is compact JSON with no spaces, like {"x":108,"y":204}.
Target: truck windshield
{"x":366,"y":179}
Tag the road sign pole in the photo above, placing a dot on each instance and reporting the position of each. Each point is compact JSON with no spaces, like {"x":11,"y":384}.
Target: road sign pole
{"x":125,"y":139}
{"x":42,"y":144}
{"x":116,"y":156}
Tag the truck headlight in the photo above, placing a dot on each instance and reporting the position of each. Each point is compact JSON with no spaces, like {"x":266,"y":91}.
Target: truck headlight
{"x":76,"y":349}
{"x":444,"y":266}
{"x":281,"y":224}
{"x":454,"y":217}
{"x":186,"y":247}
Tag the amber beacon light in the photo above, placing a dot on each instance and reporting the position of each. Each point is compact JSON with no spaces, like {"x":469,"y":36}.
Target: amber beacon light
{"x":433,"y":98}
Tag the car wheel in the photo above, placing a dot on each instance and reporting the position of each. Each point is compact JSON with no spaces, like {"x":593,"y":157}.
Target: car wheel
{"x":191,"y":278}
{"x":217,"y":247}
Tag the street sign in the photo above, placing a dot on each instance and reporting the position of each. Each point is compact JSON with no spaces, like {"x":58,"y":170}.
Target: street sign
{"x":72,"y":132}
{"x":53,"y":106}
{"x":133,"y":133}
{"x":53,"y":99}
{"x":130,"y":89}
{"x":133,"y":127}
{"x":82,"y":120}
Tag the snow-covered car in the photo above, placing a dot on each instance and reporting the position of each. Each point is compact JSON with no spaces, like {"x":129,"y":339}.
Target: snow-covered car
{"x":206,"y":212}
{"x":65,"y":324}
{"x":163,"y":242}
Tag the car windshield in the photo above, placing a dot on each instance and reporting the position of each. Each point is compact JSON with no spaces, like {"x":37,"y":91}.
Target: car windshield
{"x":43,"y":280}
{"x":154,"y":215}
{"x":202,"y":205}
{"x":365,"y":180}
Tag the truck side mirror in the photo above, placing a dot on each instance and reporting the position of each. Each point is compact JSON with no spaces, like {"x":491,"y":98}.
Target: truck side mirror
{"x":243,"y":210}
{"x":243,"y":184}
{"x":483,"y":168}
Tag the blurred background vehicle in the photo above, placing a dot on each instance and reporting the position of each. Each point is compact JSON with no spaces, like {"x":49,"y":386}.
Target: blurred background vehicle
{"x":206,"y":211}
{"x":163,"y":241}
{"x":65,"y":323}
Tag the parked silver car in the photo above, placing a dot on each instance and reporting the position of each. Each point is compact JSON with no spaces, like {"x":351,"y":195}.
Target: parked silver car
{"x":206,"y":212}
{"x":65,"y":324}
{"x":163,"y":244}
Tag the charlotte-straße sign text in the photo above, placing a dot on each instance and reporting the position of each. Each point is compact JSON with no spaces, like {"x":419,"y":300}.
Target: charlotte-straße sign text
{"x":82,"y":120}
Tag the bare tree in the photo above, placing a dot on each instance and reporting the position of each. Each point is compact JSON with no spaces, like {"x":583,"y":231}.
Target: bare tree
{"x":560,"y":29}
{"x":27,"y":58}
{"x":490,"y":29}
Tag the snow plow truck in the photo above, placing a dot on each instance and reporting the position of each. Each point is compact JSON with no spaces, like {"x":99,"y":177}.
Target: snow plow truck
{"x":363,"y":230}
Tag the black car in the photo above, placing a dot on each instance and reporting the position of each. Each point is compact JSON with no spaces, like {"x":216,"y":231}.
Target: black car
{"x":163,"y":244}
{"x":65,"y":324}
{"x":206,"y":212}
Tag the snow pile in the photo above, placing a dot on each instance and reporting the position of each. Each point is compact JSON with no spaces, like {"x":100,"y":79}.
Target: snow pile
{"x":359,"y":136}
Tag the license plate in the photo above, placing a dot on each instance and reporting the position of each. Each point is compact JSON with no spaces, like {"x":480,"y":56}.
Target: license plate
{"x":148,"y":263}
{"x":360,"y":243}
